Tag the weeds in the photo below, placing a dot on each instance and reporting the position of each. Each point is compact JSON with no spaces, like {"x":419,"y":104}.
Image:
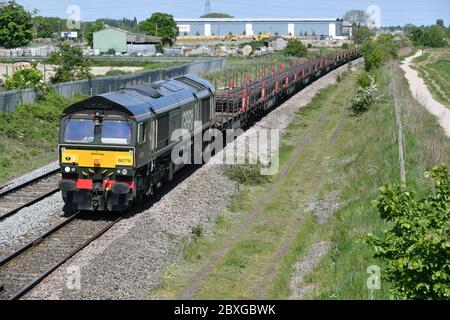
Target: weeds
{"x":248,"y":174}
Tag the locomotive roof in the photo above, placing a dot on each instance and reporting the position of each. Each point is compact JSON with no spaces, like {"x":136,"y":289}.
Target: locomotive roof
{"x":138,"y":100}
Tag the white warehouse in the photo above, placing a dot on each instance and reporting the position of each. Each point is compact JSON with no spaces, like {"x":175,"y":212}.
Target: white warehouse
{"x":331,"y":27}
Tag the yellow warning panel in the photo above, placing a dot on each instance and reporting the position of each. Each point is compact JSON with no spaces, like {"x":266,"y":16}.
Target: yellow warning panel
{"x":97,"y":158}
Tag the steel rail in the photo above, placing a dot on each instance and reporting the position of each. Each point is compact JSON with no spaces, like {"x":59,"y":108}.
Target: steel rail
{"x":30,"y":285}
{"x":24,"y":185}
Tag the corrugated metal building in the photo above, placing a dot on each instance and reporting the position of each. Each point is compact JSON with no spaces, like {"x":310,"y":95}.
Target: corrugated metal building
{"x":331,"y":27}
{"x":123,"y":41}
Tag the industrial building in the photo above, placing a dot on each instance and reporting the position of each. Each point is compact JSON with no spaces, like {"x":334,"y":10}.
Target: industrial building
{"x":331,"y":27}
{"x":124,"y":41}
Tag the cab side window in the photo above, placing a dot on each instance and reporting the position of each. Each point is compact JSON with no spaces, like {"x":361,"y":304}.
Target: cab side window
{"x":142,"y":132}
{"x":206,"y":112}
{"x":163,"y":131}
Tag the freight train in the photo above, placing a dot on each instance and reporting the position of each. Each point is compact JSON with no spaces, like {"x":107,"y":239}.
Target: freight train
{"x":115,"y":148}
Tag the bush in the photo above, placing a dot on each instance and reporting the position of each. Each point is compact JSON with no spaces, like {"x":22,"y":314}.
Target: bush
{"x":365,"y":79}
{"x":295,"y":48}
{"x":111,"y":52}
{"x":246,"y":174}
{"x":26,"y":78}
{"x":416,"y":247}
{"x":345,"y":45}
{"x":39,"y":120}
{"x":373,"y":56}
{"x":364,"y":98}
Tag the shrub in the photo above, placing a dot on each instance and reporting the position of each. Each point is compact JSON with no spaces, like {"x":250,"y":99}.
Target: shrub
{"x":246,"y":173}
{"x":373,"y":56}
{"x":365,"y":79}
{"x":364,"y":98}
{"x":345,"y":45}
{"x":26,"y":78}
{"x":295,"y":48}
{"x":37,"y":120}
{"x":416,"y":247}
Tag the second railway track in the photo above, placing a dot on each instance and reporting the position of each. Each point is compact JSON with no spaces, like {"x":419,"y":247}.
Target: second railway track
{"x":25,"y":194}
{"x":24,"y":269}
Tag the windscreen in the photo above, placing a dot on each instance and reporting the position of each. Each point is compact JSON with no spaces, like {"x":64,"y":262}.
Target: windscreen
{"x":116,"y":132}
{"x":79,"y":130}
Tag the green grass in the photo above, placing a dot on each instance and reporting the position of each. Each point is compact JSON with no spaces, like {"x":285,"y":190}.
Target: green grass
{"x":29,"y":135}
{"x":353,"y":155}
{"x":434,"y":67}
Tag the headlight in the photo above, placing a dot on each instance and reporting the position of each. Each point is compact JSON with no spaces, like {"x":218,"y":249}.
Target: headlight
{"x":67,"y":169}
{"x":124,"y":171}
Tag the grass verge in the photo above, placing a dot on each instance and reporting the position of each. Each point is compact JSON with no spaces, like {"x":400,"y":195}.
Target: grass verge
{"x":350,"y":156}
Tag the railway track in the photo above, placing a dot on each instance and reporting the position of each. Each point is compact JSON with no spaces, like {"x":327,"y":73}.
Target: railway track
{"x":27,"y":267}
{"x":24,"y":269}
{"x":25,"y":194}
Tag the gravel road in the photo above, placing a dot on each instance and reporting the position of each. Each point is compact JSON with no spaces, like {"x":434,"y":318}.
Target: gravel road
{"x":130,"y":259}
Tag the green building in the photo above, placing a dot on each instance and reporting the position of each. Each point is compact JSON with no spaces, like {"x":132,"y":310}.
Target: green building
{"x":123,"y":41}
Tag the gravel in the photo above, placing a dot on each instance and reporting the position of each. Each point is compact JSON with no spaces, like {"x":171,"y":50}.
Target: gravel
{"x":29,"y":222}
{"x":129,"y":260}
{"x":305,"y":266}
{"x":30,"y":176}
{"x":324,"y":208}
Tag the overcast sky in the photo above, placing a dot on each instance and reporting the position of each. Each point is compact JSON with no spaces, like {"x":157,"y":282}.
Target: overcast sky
{"x":393,"y":12}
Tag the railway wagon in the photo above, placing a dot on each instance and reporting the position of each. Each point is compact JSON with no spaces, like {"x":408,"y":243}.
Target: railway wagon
{"x":116,"y":148}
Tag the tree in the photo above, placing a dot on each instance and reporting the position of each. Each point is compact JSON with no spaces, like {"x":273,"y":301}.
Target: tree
{"x":416,"y":247}
{"x":356,"y":17}
{"x":216,"y":15}
{"x":26,"y":78}
{"x":15,"y":25}
{"x":161,"y":25}
{"x":295,"y":48}
{"x":89,"y":32}
{"x":43,"y":27}
{"x":361,"y":34}
{"x":70,"y":64}
{"x":434,"y":37}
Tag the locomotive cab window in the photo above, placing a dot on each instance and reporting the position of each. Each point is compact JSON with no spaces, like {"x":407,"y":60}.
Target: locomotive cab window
{"x":116,"y":132}
{"x":79,"y":130}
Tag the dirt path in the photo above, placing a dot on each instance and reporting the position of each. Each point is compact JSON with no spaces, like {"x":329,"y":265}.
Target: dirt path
{"x":421,"y":93}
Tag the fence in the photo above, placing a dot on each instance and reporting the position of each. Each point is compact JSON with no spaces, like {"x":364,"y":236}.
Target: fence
{"x":10,"y":99}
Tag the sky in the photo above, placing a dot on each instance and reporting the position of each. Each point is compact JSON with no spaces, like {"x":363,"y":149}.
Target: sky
{"x":393,"y":12}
